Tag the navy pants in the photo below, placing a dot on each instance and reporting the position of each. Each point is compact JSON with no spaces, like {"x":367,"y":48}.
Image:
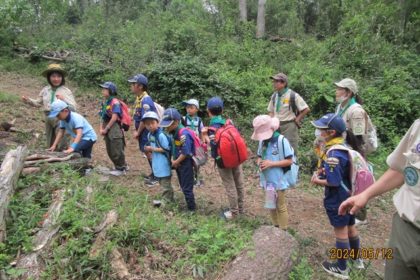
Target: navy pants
{"x":185,"y":174}
{"x":84,"y":147}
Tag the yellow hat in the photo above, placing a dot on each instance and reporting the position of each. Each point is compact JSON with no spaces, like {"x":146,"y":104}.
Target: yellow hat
{"x":54,"y":68}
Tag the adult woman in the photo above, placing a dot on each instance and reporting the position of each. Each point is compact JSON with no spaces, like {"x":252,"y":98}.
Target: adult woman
{"x":55,"y":90}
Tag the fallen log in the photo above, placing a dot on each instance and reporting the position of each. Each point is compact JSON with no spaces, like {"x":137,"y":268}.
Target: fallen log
{"x":9,"y":173}
{"x":40,"y":158}
{"x":110,"y":219}
{"x":32,"y":263}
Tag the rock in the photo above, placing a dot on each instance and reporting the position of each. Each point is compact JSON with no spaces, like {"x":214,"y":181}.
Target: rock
{"x":270,"y":259}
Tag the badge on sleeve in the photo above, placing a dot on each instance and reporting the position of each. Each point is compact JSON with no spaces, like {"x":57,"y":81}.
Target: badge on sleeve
{"x":146,"y":107}
{"x":411,"y":176}
{"x":182,"y":139}
{"x":332,"y":163}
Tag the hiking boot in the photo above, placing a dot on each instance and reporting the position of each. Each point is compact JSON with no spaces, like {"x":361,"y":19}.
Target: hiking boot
{"x":117,"y":172}
{"x":357,"y":263}
{"x":334,"y":270}
{"x":151,"y":182}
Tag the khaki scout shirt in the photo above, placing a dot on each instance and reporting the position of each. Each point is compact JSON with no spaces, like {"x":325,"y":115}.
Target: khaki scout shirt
{"x":44,"y":98}
{"x":406,"y":159}
{"x":356,"y":119}
{"x":285,"y":113}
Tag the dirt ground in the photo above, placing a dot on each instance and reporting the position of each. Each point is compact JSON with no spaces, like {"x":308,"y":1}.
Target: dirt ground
{"x":308,"y":221}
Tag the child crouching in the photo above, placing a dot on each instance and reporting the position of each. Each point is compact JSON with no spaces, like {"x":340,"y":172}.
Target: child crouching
{"x":274,"y":155}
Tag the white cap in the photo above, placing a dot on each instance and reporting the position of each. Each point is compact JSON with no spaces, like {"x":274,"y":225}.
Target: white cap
{"x":191,"y":101}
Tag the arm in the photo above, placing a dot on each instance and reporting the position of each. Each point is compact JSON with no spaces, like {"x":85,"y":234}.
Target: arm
{"x":114,"y":118}
{"x":391,"y":179}
{"x":177,"y":162}
{"x":301,"y":115}
{"x":73,"y":146}
{"x":58,"y":138}
{"x":33,"y":102}
{"x":264,"y":164}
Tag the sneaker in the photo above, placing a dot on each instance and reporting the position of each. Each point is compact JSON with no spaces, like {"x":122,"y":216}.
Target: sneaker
{"x":198,"y":183}
{"x":151,"y":182}
{"x":148,"y":177}
{"x":360,"y":222}
{"x":334,"y":270}
{"x":127,"y":168}
{"x":357,"y":263}
{"x":116,"y":172}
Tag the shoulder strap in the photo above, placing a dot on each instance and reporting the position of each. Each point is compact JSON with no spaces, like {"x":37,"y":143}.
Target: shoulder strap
{"x":293,"y":103}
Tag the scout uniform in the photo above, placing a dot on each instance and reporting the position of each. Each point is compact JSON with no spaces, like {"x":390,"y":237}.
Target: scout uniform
{"x":194,"y":123}
{"x":144,"y":103}
{"x":114,"y":139}
{"x":280,"y":106}
{"x":232,"y":178}
{"x":405,"y":233}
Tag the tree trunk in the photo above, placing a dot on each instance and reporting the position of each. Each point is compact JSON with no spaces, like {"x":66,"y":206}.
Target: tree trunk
{"x":261,"y":19}
{"x":10,"y":170}
{"x":242,"y":11}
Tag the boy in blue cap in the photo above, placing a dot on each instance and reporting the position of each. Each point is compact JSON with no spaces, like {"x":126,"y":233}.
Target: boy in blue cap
{"x":144,"y":103}
{"x":232,"y":178}
{"x":110,"y":128}
{"x":183,"y":152}
{"x":159,"y":145}
{"x":74,"y":124}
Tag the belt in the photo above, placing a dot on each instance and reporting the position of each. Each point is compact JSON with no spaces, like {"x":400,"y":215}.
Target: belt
{"x":285,"y":122}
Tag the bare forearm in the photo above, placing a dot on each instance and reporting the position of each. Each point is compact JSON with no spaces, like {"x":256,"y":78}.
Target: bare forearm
{"x":283,"y":163}
{"x":302,"y":114}
{"x":180,"y":159}
{"x":58,"y":137}
{"x":391,"y":179}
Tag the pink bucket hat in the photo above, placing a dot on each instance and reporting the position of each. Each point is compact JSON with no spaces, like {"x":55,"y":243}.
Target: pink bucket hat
{"x":264,"y":127}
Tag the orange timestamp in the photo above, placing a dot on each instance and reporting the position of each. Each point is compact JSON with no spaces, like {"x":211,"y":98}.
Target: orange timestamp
{"x":363,"y":253}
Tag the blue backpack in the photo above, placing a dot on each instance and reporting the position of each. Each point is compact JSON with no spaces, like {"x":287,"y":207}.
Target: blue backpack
{"x":291,"y":172}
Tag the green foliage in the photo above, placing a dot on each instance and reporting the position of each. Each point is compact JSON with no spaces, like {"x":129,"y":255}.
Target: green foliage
{"x":302,"y":271}
{"x":8,"y":98}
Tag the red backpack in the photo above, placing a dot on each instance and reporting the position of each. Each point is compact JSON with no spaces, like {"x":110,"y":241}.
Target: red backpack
{"x":200,"y":148}
{"x":125,"y":118}
{"x":231,"y":147}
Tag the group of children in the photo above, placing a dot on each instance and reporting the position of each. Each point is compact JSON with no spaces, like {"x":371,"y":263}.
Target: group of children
{"x":168,"y":143}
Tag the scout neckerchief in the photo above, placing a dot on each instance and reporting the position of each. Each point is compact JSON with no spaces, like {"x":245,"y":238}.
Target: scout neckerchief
{"x":322,"y":153}
{"x":139,"y":99}
{"x":191,"y":119}
{"x":105,"y":106}
{"x":351,"y":102}
{"x":218,"y":120}
{"x":176,"y":142}
{"x":265,"y":144}
{"x":279,"y":94}
{"x":53,"y":90}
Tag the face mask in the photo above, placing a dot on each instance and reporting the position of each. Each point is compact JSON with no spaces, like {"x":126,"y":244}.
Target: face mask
{"x":341,"y":99}
{"x":317,"y":133}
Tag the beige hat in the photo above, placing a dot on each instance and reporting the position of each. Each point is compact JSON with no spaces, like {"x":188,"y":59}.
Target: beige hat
{"x":349,"y":84}
{"x":54,"y":68}
{"x":280,"y":77}
{"x":264,"y":127}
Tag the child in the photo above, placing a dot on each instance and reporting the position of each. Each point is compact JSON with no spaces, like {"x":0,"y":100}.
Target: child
{"x":274,"y":154}
{"x":144,"y":103}
{"x":334,"y":169}
{"x":160,"y":147}
{"x":194,"y":122}
{"x":182,"y":156}
{"x":232,"y":178}
{"x":110,"y":128}
{"x":74,"y":124}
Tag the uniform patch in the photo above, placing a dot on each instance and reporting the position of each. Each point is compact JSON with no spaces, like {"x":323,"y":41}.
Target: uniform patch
{"x":332,"y":162}
{"x":286,"y":101}
{"x":146,"y":107}
{"x":411,"y":177}
{"x":182,"y":139}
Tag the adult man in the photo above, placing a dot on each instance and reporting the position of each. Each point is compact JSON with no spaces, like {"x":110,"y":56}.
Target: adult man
{"x":289,"y":107}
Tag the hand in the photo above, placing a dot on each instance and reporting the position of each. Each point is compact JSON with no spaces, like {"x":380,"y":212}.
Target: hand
{"x":148,"y":148}
{"x":353,"y":204}
{"x":69,"y":150}
{"x":175,"y":164}
{"x":24,"y":98}
{"x":103,"y":131}
{"x":259,"y":163}
{"x":59,"y":96}
{"x":266,"y":164}
{"x":205,"y":130}
{"x":298,"y":123}
{"x":136,"y":134}
{"x":52,"y":148}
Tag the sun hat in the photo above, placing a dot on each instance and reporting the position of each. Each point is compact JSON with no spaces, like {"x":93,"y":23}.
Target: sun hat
{"x":264,"y":127}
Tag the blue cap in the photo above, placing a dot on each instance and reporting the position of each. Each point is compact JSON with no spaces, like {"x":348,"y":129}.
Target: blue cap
{"x":139,"y":79}
{"x":150,"y":115}
{"x":169,"y":116}
{"x":56,"y":107}
{"x":215,"y":102}
{"x":110,"y":86}
{"x":331,"y":121}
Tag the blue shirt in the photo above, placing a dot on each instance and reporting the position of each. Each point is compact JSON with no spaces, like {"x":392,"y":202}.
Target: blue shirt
{"x":160,"y":161}
{"x":183,"y":143}
{"x":142,"y":106}
{"x":75,"y":121}
{"x":274,"y":151}
{"x":337,"y":169}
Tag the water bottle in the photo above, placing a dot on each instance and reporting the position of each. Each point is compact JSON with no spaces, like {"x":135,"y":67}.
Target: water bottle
{"x":270,"y":196}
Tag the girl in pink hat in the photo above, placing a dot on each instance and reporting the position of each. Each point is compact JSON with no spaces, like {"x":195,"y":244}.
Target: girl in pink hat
{"x":275,"y":158}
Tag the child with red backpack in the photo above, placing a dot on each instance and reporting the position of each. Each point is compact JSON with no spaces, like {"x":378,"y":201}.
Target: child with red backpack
{"x":334,"y":172}
{"x":111,"y":128}
{"x":229,"y":150}
{"x":183,"y":153}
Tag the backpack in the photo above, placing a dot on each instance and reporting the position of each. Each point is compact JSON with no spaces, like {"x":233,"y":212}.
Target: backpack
{"x":361,"y":174}
{"x":167,"y":153}
{"x":231,"y":147}
{"x":159,"y":110}
{"x":291,"y":172}
{"x":292,"y":102}
{"x":125,"y":119}
{"x":200,"y":148}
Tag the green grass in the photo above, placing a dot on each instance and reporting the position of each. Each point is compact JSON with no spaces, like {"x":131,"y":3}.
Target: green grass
{"x":8,"y":98}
